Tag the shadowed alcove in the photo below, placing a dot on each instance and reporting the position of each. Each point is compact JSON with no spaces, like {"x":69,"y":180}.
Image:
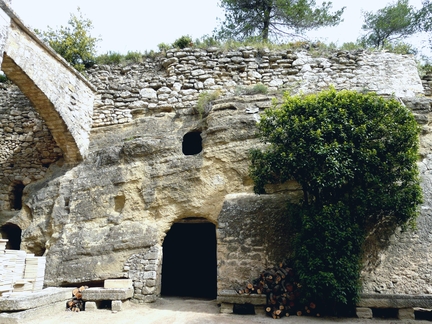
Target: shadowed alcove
{"x":189,"y":260}
{"x":192,"y":143}
{"x":15,"y":195}
{"x":11,"y":232}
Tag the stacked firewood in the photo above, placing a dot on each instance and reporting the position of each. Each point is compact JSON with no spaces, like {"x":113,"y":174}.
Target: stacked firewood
{"x":76,"y":304}
{"x":282,"y":290}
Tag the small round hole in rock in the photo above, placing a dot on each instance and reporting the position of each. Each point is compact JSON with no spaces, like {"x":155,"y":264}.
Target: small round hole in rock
{"x":192,"y":143}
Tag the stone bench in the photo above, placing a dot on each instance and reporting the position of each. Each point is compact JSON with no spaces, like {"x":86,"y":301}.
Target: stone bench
{"x":116,"y":291}
{"x":406,"y":305}
{"x":20,"y":307}
{"x":229,"y":299}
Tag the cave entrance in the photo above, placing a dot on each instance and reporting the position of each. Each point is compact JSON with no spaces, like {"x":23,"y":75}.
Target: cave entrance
{"x":189,"y":260}
{"x":11,"y":232}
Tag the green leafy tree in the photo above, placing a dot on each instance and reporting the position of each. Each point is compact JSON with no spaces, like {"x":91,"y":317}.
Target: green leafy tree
{"x":74,"y":42}
{"x":424,"y":19}
{"x":354,"y":156}
{"x":266,"y":18}
{"x":389,"y":24}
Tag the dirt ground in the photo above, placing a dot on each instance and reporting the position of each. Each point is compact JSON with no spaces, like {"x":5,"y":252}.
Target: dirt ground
{"x":173,"y":310}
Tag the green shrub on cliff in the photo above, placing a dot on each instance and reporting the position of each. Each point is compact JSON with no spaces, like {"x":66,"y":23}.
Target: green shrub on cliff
{"x":354,"y":156}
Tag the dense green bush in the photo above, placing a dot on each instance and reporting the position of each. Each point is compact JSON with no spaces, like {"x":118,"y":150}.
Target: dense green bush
{"x":355,"y":157}
{"x":183,"y":42}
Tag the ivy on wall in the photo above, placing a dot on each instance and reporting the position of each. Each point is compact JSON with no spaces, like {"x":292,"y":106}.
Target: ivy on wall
{"x":355,"y":157}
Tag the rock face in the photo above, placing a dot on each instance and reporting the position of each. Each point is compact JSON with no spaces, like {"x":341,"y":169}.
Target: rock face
{"x":153,"y":162}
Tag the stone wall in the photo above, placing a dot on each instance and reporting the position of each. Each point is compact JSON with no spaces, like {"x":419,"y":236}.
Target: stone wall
{"x":107,"y":216}
{"x":173,"y":83}
{"x":27,"y":147}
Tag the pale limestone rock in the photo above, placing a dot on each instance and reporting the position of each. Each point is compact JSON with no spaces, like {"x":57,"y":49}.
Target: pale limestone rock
{"x":148,"y":93}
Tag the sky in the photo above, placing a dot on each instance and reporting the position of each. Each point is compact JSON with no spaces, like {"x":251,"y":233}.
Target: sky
{"x":140,"y":25}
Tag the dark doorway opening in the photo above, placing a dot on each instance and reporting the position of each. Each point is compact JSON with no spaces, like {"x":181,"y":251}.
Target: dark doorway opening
{"x":192,"y":143}
{"x":15,"y":196}
{"x":11,"y":232}
{"x":189,"y":261}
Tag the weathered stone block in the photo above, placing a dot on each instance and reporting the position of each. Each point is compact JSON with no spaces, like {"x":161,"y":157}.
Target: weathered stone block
{"x":406,"y":314}
{"x":23,"y":301}
{"x":23,"y":317}
{"x":90,"y":306}
{"x":118,"y":283}
{"x":116,"y":305}
{"x":226,"y":308}
{"x":364,"y":312}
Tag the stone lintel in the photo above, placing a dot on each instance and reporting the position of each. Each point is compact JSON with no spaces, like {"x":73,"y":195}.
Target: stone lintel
{"x":95,"y":294}
{"x":394,"y":301}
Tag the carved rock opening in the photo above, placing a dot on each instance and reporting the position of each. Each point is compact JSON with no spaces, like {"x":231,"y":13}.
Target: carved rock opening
{"x":11,"y":232}
{"x":15,"y":195}
{"x":189,"y":260}
{"x":192,"y":143}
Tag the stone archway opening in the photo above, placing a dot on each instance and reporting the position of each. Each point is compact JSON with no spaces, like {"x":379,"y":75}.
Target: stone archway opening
{"x":192,"y":143}
{"x":189,"y":260}
{"x":12,"y":233}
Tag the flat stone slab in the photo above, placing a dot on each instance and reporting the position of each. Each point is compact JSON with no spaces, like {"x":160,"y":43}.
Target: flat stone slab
{"x":232,"y":297}
{"x":23,"y":317}
{"x":28,"y":300}
{"x":94,"y":294}
{"x":118,"y":283}
{"x":394,"y":301}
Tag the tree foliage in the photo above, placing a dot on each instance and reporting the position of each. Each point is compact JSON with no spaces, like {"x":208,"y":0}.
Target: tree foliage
{"x":354,"y":156}
{"x":424,"y":19}
{"x":391,"y":23}
{"x":74,"y":42}
{"x":266,"y":18}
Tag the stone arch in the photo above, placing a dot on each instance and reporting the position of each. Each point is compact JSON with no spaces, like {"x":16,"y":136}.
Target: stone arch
{"x":189,"y":265}
{"x":192,"y":143}
{"x":12,"y":233}
{"x":44,"y":107}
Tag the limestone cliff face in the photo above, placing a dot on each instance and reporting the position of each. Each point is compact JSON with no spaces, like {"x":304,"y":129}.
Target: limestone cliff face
{"x":107,"y":216}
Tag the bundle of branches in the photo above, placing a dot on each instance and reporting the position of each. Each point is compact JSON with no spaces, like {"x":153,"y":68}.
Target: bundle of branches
{"x":283,"y":292}
{"x":76,"y":304}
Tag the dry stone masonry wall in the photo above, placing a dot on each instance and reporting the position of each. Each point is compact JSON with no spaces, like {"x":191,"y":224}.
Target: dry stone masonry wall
{"x":173,"y":83}
{"x":27,"y":147}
